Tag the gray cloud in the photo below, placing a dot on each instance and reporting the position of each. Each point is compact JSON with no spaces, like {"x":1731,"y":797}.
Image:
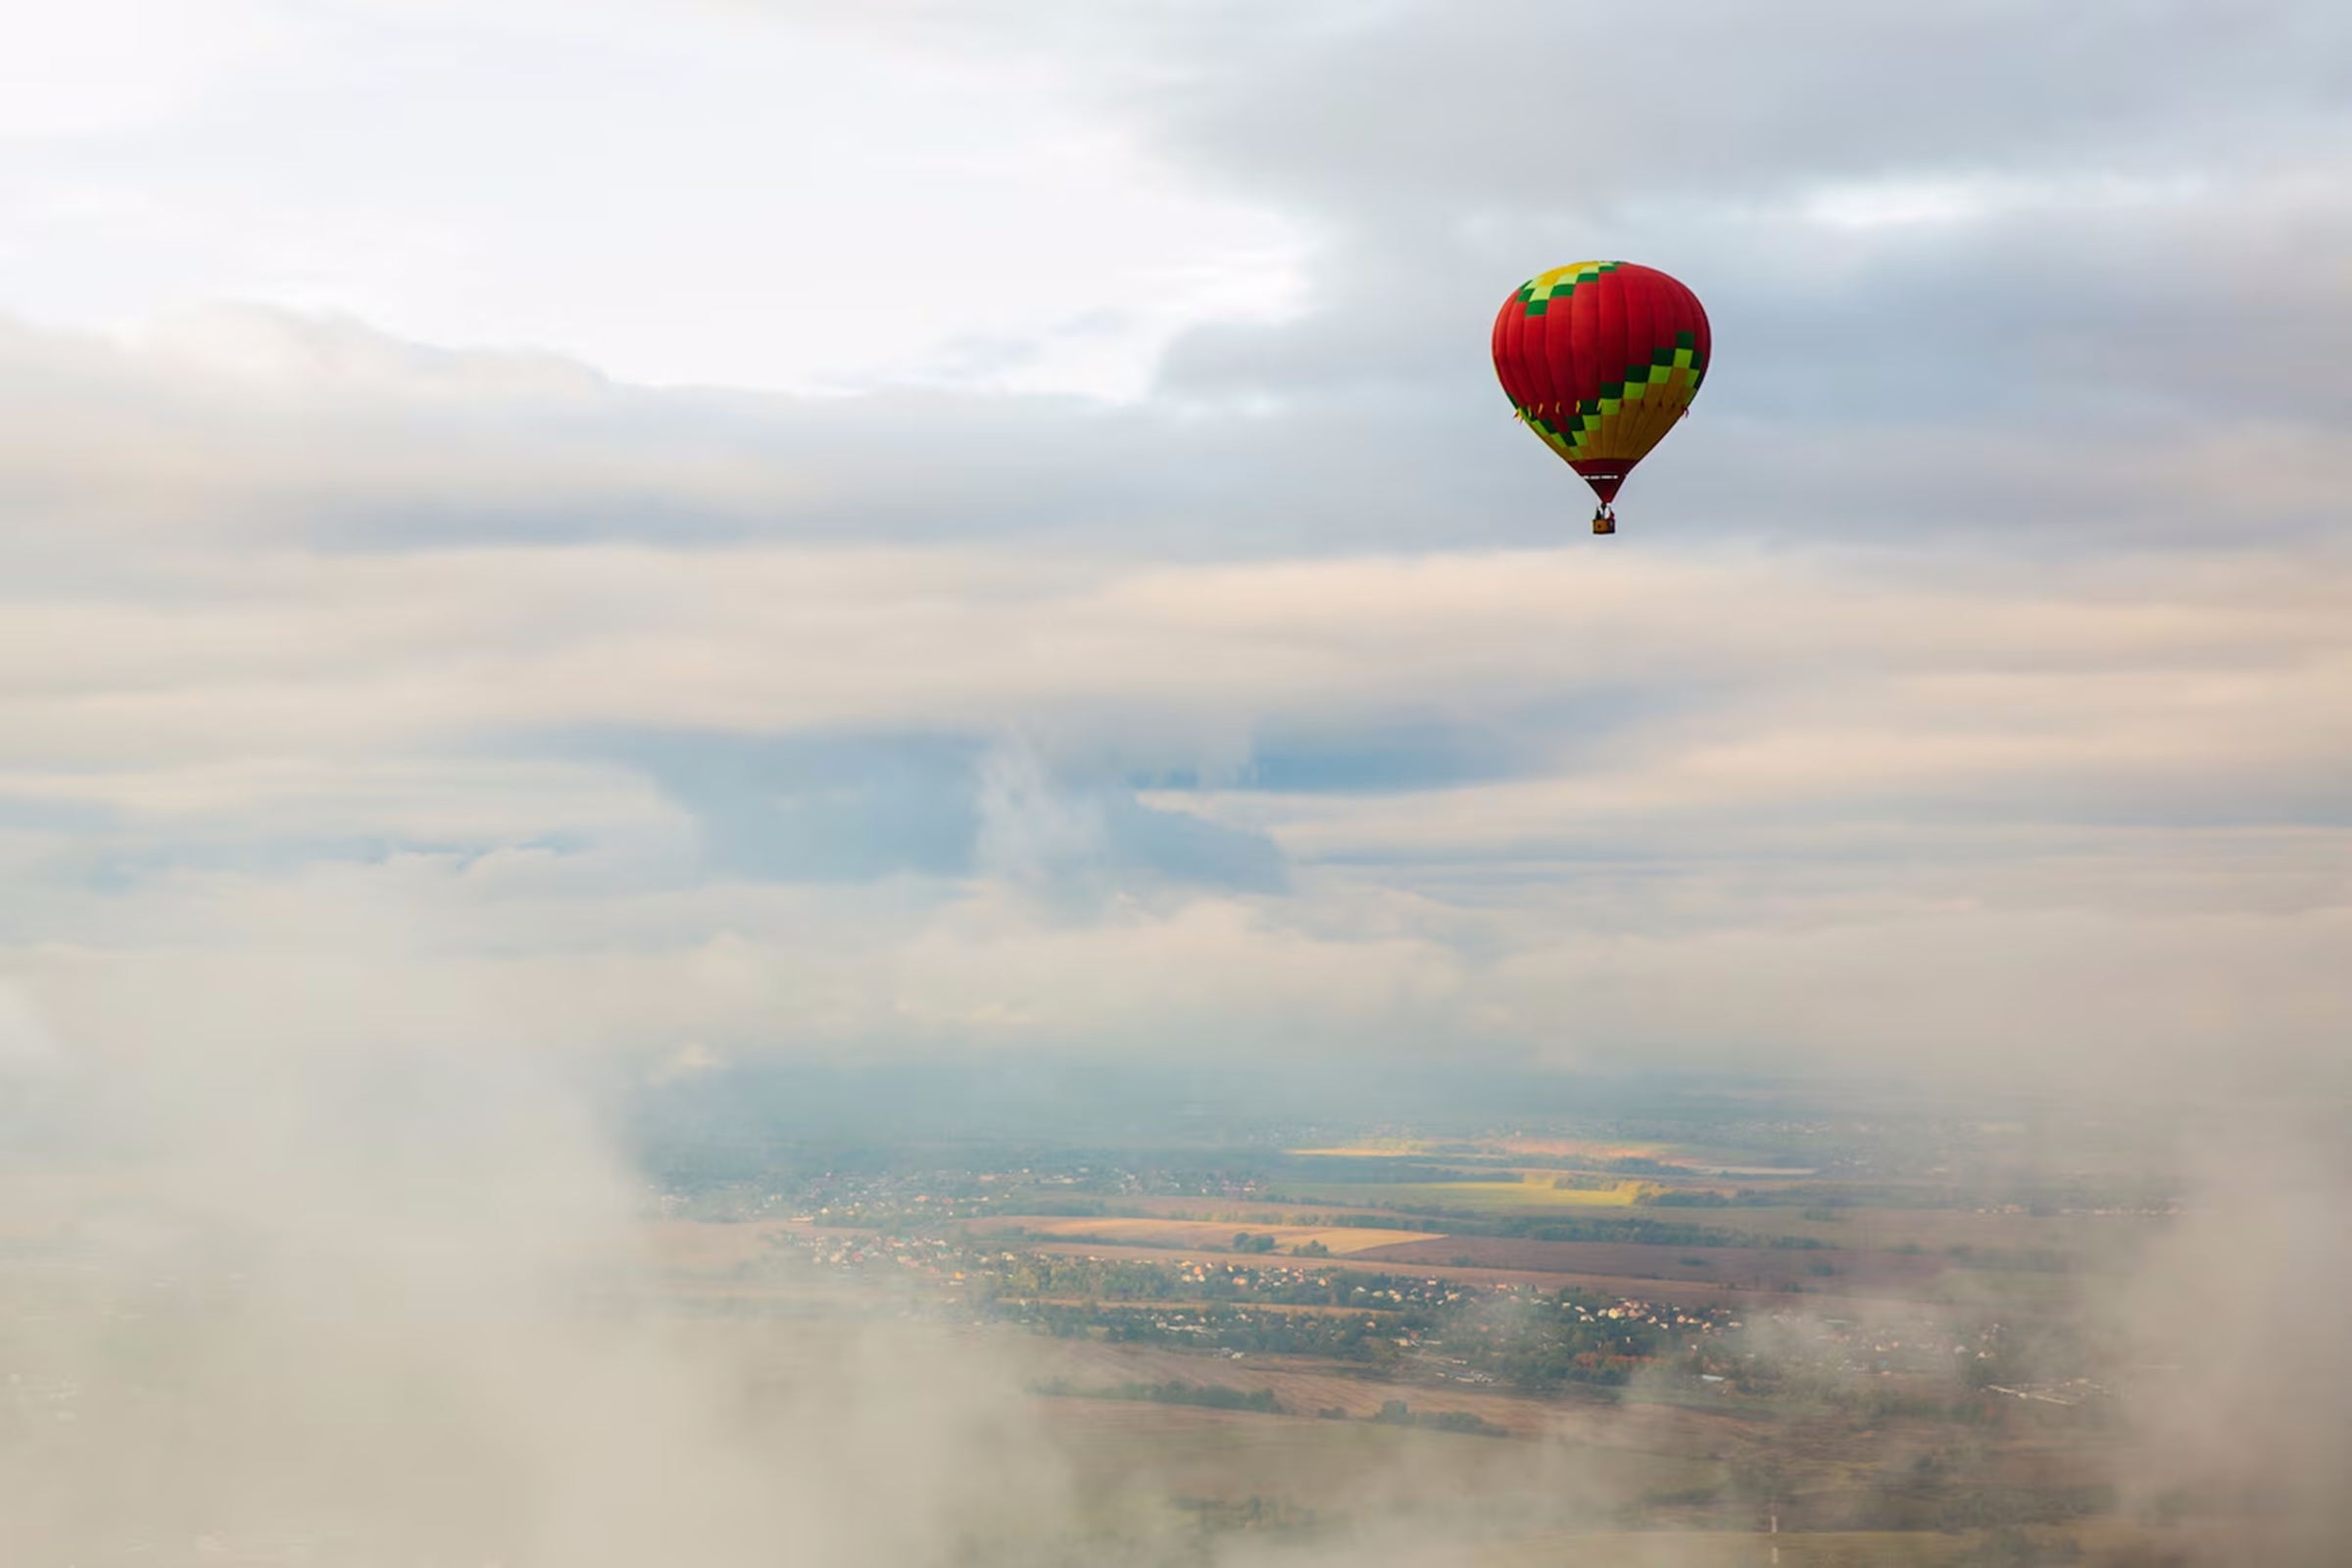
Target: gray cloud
{"x":1346,"y":800}
{"x":1990,"y":604}
{"x":1509,"y":104}
{"x":848,"y":808}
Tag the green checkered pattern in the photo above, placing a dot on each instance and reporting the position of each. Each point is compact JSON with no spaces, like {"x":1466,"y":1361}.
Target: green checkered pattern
{"x":1594,"y":429}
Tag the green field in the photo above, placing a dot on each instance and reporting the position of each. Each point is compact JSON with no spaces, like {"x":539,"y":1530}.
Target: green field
{"x":1468,"y":1198}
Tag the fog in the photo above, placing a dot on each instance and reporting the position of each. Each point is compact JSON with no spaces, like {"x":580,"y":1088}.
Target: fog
{"x":2238,"y":1398}
{"x":377,"y":1297}
{"x":385,"y":1302}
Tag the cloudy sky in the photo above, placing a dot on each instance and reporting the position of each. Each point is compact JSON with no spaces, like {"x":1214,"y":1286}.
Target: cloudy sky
{"x":686,"y":529}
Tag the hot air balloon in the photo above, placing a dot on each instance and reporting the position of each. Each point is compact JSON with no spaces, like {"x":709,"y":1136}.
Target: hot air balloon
{"x":1600,"y":358}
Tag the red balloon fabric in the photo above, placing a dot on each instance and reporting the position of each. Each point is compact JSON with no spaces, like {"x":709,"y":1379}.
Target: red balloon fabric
{"x":1602,"y":359}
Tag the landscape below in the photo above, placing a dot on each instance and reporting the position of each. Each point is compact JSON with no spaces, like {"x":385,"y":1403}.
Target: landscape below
{"x":1683,"y":1326}
{"x":1636,"y":1324}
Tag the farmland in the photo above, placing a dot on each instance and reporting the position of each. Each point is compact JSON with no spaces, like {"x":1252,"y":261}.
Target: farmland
{"x":1634,"y":1344}
{"x":1480,"y":1347}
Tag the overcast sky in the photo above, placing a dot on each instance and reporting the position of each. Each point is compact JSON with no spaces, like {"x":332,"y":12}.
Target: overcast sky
{"x":701,"y":528}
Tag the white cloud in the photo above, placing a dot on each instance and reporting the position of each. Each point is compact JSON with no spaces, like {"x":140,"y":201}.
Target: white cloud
{"x":107,"y":68}
{"x":678,"y":196}
{"x":1908,"y":201}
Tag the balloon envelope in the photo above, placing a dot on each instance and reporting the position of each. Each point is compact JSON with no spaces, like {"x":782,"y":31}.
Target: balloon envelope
{"x":1602,"y":359}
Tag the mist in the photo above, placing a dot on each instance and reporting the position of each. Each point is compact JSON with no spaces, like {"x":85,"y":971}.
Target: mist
{"x":375,"y":1300}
